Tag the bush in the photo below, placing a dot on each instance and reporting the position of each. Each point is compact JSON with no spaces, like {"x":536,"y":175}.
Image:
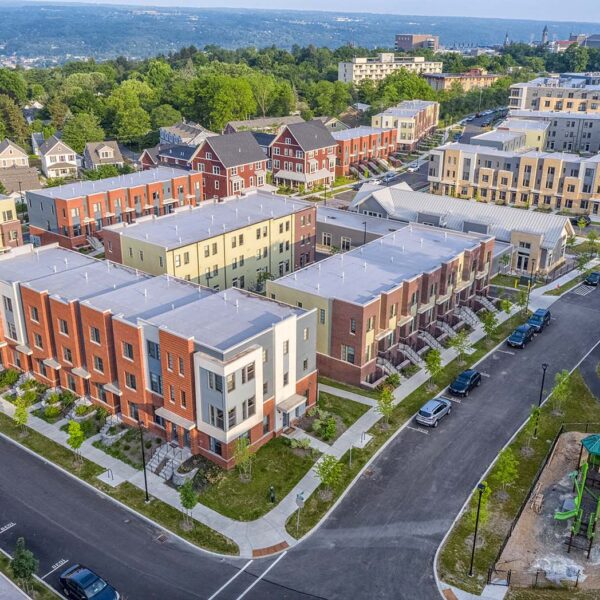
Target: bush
{"x":302,"y":444}
{"x":52,"y":411}
{"x":148,"y":444}
{"x":8,"y":378}
{"x":67,"y":398}
{"x":126,"y":447}
{"x":30,"y":397}
{"x":101,"y":413}
{"x":393,"y":380}
{"x":53,"y":398}
{"x":82,"y":409}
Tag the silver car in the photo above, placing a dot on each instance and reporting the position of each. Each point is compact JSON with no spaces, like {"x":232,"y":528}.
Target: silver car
{"x":433,"y":411}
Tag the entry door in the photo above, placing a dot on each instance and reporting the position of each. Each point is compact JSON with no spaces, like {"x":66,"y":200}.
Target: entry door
{"x":174,"y":434}
{"x":286,"y":420}
{"x":522,"y":262}
{"x":186,"y":438}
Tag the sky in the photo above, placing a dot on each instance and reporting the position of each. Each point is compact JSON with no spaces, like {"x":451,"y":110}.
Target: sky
{"x":551,"y":10}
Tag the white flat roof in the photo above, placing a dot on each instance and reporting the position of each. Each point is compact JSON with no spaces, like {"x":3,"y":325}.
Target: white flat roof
{"x":352,"y":220}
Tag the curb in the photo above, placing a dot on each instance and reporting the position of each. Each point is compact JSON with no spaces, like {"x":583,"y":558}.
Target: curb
{"x":464,"y":506}
{"x":120,"y":504}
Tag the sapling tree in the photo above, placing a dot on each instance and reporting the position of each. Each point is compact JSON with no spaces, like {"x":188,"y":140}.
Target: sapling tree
{"x":561,"y":390}
{"x":23,"y":564}
{"x":490,"y":323}
{"x":462,"y":344}
{"x":433,"y":365}
{"x":506,"y":468}
{"x":506,"y":305}
{"x":188,"y":498}
{"x":243,"y":457}
{"x":385,"y":404}
{"x":329,"y":471}
{"x":483,"y":509}
{"x":21,"y":413}
{"x":76,"y":438}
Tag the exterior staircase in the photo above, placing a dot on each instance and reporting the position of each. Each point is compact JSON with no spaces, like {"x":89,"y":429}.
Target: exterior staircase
{"x":357,"y":172}
{"x":166,"y":458}
{"x":374,"y":167}
{"x":430,"y":340}
{"x":387,"y":366}
{"x":411,"y":355}
{"x":383,"y":163}
{"x":94,"y":242}
{"x":468,"y":316}
{"x":487,"y":303}
{"x":446,"y":329}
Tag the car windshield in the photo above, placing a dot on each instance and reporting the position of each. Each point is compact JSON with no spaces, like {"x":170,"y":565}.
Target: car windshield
{"x":535,"y":318}
{"x":518,"y":334}
{"x":424,"y":413}
{"x":94,"y":588}
{"x":463,"y":377}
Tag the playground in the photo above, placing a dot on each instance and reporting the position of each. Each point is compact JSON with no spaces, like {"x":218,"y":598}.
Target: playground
{"x":555,"y":540}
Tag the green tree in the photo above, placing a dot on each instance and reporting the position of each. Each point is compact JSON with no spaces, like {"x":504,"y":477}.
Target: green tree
{"x":490,"y":323}
{"x":12,"y":122}
{"x":58,"y":111}
{"x":21,"y":413}
{"x":571,"y":240}
{"x":433,"y":364}
{"x":264,"y":88}
{"x":385,"y":404}
{"x":506,"y":468}
{"x":522,"y":300}
{"x":329,"y":471}
{"x":23,"y":564}
{"x":531,"y":425}
{"x":13,"y":84}
{"x":505,"y":261}
{"x":131,"y":124}
{"x":581,"y":224}
{"x":81,"y":129}
{"x":462,"y":344}
{"x":243,"y":457}
{"x":188,"y":497}
{"x":582,"y":261}
{"x":158,"y":74}
{"x":76,"y":438}
{"x":164,"y":116}
{"x":561,"y":390}
{"x":592,"y":242}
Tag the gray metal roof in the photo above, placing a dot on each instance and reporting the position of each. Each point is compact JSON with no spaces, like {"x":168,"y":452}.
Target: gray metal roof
{"x":92,"y":149}
{"x":497,"y":135}
{"x":502,"y":220}
{"x":311,"y":135}
{"x":355,"y":132}
{"x":236,"y":149}
{"x":361,"y":275}
{"x":193,"y":224}
{"x":526,"y":124}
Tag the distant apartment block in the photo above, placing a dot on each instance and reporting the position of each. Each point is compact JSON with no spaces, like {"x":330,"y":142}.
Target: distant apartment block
{"x":235,"y":243}
{"x":534,"y":129}
{"x":11,"y":231}
{"x":501,"y":139}
{"x":303,"y":154}
{"x":12,"y":155}
{"x":405,"y":42}
{"x":185,"y":132}
{"x":197,"y":367}
{"x":569,"y":92}
{"x":69,"y":214}
{"x":473,"y":79}
{"x":376,"y":69}
{"x":262,"y":124}
{"x":412,"y":119}
{"x":359,"y":146}
{"x":381,"y":303}
{"x":546,"y":180}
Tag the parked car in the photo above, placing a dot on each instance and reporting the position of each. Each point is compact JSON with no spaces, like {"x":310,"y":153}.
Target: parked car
{"x":540,"y":319}
{"x":412,"y":168}
{"x":465,"y":382}
{"x":583,"y":218}
{"x":81,"y":583}
{"x":521,"y":336}
{"x":592,"y":279}
{"x":388,"y":177}
{"x":433,"y":411}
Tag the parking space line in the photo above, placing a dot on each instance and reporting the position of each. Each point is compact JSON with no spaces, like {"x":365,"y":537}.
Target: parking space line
{"x":484,"y":374}
{"x":6,"y":527}
{"x":261,"y":576}
{"x":506,"y":352}
{"x":55,"y":566}
{"x":231,"y":579}
{"x":419,"y":430}
{"x":453,"y":399}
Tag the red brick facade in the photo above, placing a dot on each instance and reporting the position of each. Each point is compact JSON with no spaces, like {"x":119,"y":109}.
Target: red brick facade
{"x":363,"y":147}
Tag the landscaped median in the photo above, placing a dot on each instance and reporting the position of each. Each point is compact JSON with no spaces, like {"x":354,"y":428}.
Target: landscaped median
{"x":126,"y":493}
{"x":579,"y":406}
{"x":39,"y":590}
{"x":319,"y":503}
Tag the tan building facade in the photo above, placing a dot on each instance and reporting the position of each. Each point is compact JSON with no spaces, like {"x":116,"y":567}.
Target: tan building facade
{"x":376,"y":69}
{"x":473,"y":79}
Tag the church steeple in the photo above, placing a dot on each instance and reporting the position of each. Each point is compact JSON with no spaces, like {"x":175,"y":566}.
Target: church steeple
{"x":506,"y":39}
{"x":545,"y":35}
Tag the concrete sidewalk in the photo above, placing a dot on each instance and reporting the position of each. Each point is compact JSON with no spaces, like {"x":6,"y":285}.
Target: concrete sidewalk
{"x":9,"y":591}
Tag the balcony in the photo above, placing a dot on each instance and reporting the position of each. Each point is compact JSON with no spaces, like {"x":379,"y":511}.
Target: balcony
{"x":427,"y":306}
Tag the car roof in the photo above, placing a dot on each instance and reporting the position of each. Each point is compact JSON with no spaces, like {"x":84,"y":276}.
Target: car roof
{"x":431,"y":404}
{"x":468,"y":372}
{"x":541,"y":311}
{"x":83,"y":575}
{"x":523,"y":327}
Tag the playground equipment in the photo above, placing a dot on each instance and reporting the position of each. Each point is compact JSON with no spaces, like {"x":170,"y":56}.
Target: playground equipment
{"x":584,"y":507}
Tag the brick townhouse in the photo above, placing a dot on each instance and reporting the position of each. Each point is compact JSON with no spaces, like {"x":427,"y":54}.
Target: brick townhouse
{"x":385,"y":302}
{"x":303,"y":154}
{"x":230,"y":164}
{"x":69,"y":214}
{"x":199,"y":368}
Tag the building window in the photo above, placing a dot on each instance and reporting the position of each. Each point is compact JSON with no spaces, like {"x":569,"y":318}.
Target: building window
{"x":286,"y":347}
{"x":265,"y":388}
{"x":305,"y":364}
{"x":130,"y":381}
{"x":266,"y":424}
{"x":128,"y":350}
{"x":67,"y":355}
{"x":265,"y":355}
{"x":34,"y":314}
{"x":215,"y":382}
{"x":98,"y":364}
{"x":286,"y":378}
{"x":348,"y":353}
{"x":346,"y":244}
{"x":248,"y":373}
{"x":153,"y":350}
{"x":215,"y":445}
{"x":37,"y":341}
{"x":327,"y":239}
{"x":156,"y":383}
{"x":352,"y":326}
{"x":322,"y":316}
{"x":100,"y":392}
{"x":249,"y":408}
{"x":63,"y":327}
{"x":230,"y":382}
{"x":95,"y":335}
{"x":181,"y":366}
{"x":232,"y":418}
{"x":7,"y":303}
{"x":172,"y":394}
{"x":169,"y":361}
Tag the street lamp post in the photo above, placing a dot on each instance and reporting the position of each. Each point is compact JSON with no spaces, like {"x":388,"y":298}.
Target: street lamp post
{"x":21,"y":198}
{"x":529,"y":286}
{"x":141,"y":426}
{"x":544,"y":367}
{"x":481,"y":488}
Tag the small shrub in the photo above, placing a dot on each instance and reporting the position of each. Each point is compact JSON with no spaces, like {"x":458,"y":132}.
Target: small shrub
{"x":126,"y":447}
{"x":30,"y":397}
{"x":157,"y":440}
{"x":52,"y":411}
{"x":302,"y":444}
{"x":81,"y":410}
{"x":67,"y":398}
{"x":53,"y":398}
{"x":8,"y":378}
{"x":393,"y":380}
{"x":148,"y":444}
{"x":329,"y":428}
{"x":101,"y":413}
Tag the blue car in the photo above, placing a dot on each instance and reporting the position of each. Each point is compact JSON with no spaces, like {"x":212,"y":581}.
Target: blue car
{"x":81,"y":583}
{"x":540,"y":319}
{"x":521,"y":336}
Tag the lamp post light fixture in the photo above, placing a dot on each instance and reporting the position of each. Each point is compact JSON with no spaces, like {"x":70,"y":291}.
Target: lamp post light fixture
{"x":544,"y":367}
{"x":481,"y":487}
{"x":141,"y":427}
{"x":365,"y":234}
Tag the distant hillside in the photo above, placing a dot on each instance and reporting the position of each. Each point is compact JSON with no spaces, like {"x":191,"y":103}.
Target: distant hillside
{"x":62,"y":31}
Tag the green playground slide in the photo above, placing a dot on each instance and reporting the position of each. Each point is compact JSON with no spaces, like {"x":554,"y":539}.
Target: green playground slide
{"x":563,"y":516}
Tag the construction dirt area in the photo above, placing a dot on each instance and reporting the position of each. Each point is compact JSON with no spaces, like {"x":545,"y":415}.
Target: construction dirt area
{"x":538,"y":543}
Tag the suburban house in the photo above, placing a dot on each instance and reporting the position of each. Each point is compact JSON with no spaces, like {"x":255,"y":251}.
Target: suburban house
{"x":262,"y":124}
{"x":185,"y":132}
{"x":71,"y":214}
{"x":230,"y":164}
{"x":303,"y":154}
{"x":11,"y":230}
{"x":12,"y":155}
{"x":149,"y":157}
{"x":333,"y":123}
{"x":179,"y":156}
{"x":97,"y":154}
{"x":239,"y":242}
{"x":58,"y":159}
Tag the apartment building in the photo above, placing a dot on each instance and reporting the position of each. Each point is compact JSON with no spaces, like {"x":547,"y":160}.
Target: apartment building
{"x":378,"y":68}
{"x":546,"y":180}
{"x":500,"y":139}
{"x":407,"y":42}
{"x":359,"y":146}
{"x":12,"y":155}
{"x":473,"y":79}
{"x":412,"y":119}
{"x":380,"y":301}
{"x":534,"y":129}
{"x":568,"y":92}
{"x":11,"y":230}
{"x":184,"y":132}
{"x":69,"y":214}
{"x":58,"y":159}
{"x":533,"y":240}
{"x":564,"y":131}
{"x":230,"y":164}
{"x":196,"y":367}
{"x":235,"y":243}
{"x":303,"y":154}
{"x":262,"y":124}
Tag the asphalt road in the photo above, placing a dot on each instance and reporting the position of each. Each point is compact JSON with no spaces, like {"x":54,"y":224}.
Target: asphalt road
{"x":379,"y":542}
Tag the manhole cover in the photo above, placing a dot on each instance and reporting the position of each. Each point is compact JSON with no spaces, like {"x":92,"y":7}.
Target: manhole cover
{"x":368,"y":473}
{"x":161,"y":539}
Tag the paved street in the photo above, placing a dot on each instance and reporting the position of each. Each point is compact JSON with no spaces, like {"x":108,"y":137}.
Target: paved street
{"x":380,"y":541}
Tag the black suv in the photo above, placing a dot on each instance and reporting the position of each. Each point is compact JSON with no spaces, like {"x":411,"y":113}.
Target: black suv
{"x":584,"y":218}
{"x":592,"y":279}
{"x":521,"y":336}
{"x":540,"y":319}
{"x":81,"y":583}
{"x":465,"y":382}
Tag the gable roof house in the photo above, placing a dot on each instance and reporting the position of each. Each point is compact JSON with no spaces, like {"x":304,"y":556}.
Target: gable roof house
{"x":185,"y":132}
{"x":58,"y":159}
{"x":12,"y":155}
{"x":97,"y":154}
{"x":15,"y":173}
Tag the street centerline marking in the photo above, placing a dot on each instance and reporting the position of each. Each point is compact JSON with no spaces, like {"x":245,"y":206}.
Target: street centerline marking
{"x":231,"y":579}
{"x":55,"y":566}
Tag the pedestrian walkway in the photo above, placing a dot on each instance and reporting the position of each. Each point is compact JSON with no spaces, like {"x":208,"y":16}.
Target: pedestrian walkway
{"x":9,"y":591}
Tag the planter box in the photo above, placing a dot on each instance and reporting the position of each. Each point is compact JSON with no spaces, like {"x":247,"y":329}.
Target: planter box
{"x":180,"y":478}
{"x":82,"y":418}
{"x":7,"y":407}
{"x":109,"y":440}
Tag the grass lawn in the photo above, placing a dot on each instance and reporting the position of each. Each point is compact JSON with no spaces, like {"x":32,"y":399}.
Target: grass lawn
{"x":569,"y":285}
{"x":349,"y":388}
{"x":580,"y":407}
{"x":127,"y":448}
{"x":90,"y":427}
{"x":40,"y":591}
{"x":274,"y":464}
{"x":510,"y":281}
{"x":551,"y":595}
{"x":315,"y":508}
{"x":162,"y":513}
{"x":348,"y":410}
